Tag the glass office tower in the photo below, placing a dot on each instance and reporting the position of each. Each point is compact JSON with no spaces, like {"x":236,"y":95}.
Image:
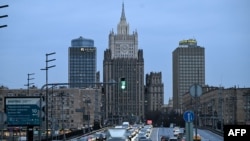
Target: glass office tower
{"x":82,"y":63}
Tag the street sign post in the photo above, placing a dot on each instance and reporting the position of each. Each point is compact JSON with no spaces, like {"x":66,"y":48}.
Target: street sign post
{"x":195,"y":90}
{"x":188,"y":116}
{"x":189,"y":131}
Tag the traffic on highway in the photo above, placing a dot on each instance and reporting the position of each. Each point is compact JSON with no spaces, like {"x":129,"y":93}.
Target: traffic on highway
{"x":141,"y":132}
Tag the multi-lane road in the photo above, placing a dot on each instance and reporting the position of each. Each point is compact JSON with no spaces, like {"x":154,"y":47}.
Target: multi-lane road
{"x":206,"y":135}
{"x":156,"y":133}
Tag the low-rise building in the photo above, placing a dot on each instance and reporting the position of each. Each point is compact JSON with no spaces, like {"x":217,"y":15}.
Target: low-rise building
{"x":216,"y":104}
{"x":68,"y":108}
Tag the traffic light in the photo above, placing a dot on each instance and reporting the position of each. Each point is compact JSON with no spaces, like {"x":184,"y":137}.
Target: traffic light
{"x":42,"y":108}
{"x":42,"y":114}
{"x":123,"y":83}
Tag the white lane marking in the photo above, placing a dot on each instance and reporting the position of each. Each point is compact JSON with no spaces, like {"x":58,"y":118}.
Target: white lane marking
{"x":157,"y":134}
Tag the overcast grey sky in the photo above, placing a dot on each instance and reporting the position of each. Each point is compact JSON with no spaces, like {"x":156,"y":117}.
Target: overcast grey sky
{"x":37,"y":27}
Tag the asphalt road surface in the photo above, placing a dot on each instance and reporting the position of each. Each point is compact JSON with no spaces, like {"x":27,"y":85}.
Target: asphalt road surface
{"x":205,"y":134}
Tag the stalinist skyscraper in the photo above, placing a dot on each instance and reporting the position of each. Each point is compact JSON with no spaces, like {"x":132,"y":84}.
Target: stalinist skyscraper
{"x":123,"y":59}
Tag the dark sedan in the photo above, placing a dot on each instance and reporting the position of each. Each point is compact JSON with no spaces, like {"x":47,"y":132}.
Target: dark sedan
{"x":164,"y":138}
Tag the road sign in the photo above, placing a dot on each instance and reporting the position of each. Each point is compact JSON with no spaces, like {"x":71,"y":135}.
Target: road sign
{"x":195,"y":90}
{"x":188,"y":116}
{"x":22,"y":111}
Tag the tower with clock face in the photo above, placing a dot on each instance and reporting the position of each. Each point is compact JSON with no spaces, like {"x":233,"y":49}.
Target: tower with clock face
{"x":123,"y":59}
{"x":123,"y":44}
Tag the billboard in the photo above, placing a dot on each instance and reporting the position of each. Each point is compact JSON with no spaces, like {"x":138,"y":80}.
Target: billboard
{"x":22,"y":111}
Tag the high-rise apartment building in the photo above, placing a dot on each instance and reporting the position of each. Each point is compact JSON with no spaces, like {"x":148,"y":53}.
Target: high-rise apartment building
{"x":154,"y":95}
{"x":82,"y":63}
{"x":188,"y":69}
{"x":123,"y":59}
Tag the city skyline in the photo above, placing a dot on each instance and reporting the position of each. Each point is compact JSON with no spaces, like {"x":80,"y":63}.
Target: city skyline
{"x":39,"y":27}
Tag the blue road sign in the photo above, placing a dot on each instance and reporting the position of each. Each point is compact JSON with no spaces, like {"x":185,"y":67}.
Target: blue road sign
{"x":188,"y":116}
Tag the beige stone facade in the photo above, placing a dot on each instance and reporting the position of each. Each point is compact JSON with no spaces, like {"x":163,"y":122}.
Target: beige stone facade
{"x":231,"y":105}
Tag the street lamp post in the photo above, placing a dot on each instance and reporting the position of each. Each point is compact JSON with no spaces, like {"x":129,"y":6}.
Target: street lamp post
{"x":46,"y":97}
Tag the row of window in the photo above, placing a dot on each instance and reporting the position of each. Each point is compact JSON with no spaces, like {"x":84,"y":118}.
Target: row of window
{"x":82,"y":58}
{"x":82,"y":70}
{"x":156,"y":89}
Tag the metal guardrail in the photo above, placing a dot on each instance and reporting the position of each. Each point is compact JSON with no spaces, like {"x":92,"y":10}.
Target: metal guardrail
{"x":74,"y":136}
{"x":218,"y":132}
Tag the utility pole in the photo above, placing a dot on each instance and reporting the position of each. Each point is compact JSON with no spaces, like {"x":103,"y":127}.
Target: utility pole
{"x":46,"y":97}
{"x":3,"y":16}
{"x":28,"y":84}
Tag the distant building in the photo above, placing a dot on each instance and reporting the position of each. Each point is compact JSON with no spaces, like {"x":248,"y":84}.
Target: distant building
{"x":188,"y":69}
{"x":82,"y":63}
{"x":154,"y":94}
{"x":216,"y":104}
{"x":167,"y":108}
{"x":123,"y":59}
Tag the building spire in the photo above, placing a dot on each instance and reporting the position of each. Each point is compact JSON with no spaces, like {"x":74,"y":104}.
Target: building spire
{"x":123,"y":17}
{"x":123,"y":26}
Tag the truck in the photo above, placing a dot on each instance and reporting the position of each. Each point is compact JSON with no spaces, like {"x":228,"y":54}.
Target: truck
{"x":125,"y":124}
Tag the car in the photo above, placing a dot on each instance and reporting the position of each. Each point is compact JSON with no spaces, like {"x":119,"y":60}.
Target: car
{"x":146,"y":140}
{"x":98,"y":136}
{"x":86,"y":138}
{"x":104,"y":136}
{"x":173,"y":139}
{"x":183,"y":138}
{"x":141,"y":138}
{"x":141,"y":135}
{"x":176,"y":132}
{"x":164,"y":138}
{"x":176,"y":129}
{"x":117,"y":139}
